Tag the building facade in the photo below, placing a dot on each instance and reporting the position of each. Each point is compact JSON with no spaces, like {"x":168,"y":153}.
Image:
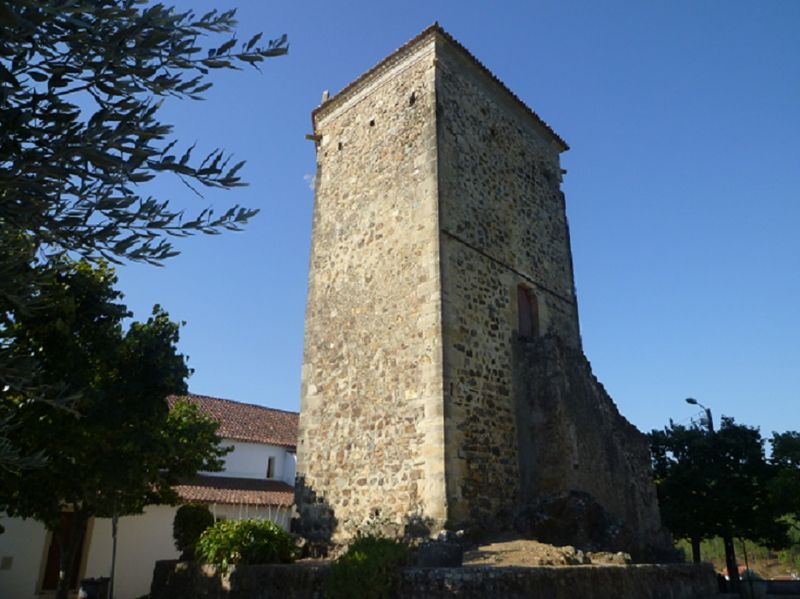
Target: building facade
{"x":256,"y":482}
{"x":440,"y":272}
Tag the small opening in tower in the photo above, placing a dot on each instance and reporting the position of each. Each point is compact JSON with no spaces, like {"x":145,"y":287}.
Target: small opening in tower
{"x":412,"y":98}
{"x":527,"y":312}
{"x":340,"y":145}
{"x":270,"y":467}
{"x":372,"y":122}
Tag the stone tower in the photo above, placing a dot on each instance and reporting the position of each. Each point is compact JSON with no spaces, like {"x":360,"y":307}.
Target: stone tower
{"x":443,"y":380}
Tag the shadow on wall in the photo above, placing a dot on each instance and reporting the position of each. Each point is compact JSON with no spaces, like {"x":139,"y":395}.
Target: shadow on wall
{"x":585,"y":470}
{"x":315,"y":521}
{"x":418,"y":526}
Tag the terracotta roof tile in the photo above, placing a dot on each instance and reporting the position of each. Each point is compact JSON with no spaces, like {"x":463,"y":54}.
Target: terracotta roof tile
{"x":225,"y":489}
{"x":247,"y":422}
{"x":432,"y":30}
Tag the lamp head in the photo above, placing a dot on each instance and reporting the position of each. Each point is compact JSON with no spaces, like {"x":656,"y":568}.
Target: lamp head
{"x":691,"y":400}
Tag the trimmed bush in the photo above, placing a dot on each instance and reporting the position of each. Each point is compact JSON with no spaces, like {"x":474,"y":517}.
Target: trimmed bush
{"x":230,"y":542}
{"x":369,"y":570}
{"x":189,"y":523}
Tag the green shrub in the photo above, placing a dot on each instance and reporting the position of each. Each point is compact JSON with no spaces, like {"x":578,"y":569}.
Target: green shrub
{"x":189,"y":523}
{"x":246,"y":542}
{"x":369,"y":570}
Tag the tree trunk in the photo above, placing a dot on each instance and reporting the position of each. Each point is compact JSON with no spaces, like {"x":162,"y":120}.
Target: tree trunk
{"x":70,"y":542}
{"x":730,"y":562}
{"x":695,"y":550}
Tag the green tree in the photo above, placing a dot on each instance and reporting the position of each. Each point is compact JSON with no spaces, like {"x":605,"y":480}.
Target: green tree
{"x":717,"y":483}
{"x":81,"y":86}
{"x":118,"y":447}
{"x":786,"y":484}
{"x":189,"y":523}
{"x":682,"y":462}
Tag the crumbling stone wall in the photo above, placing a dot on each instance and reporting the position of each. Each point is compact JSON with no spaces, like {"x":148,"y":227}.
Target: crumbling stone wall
{"x":571,"y":437}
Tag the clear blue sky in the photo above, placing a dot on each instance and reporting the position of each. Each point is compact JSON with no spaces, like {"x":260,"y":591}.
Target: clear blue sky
{"x":683,"y":191}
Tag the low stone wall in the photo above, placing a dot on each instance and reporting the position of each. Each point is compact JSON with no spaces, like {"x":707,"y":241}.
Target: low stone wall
{"x":182,"y":580}
{"x":674,"y":581}
{"x":185,"y":580}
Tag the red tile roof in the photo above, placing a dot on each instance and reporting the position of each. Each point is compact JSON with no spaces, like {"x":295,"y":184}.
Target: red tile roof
{"x":247,"y":422}
{"x":433,"y":30}
{"x":237,"y":491}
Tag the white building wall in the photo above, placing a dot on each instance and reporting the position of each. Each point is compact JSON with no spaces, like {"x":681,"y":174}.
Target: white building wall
{"x":290,"y":467}
{"x":24,"y":542}
{"x":279,"y":515}
{"x":141,"y":540}
{"x":249,"y":460}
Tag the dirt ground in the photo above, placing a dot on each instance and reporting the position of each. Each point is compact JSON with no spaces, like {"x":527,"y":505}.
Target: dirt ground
{"x":511,"y":551}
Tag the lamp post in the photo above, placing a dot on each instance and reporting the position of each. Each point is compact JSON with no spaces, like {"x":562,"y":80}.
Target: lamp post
{"x":709,"y":421}
{"x":727,"y":538}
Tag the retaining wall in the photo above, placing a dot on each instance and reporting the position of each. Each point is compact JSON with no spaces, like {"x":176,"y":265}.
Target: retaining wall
{"x":183,"y":580}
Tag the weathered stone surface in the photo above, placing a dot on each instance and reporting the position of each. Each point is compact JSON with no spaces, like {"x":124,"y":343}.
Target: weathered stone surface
{"x":437,"y":208}
{"x":370,"y":441}
{"x":186,"y":580}
{"x":586,"y":470}
{"x":180,"y":580}
{"x":569,"y":582}
{"x":439,"y":554}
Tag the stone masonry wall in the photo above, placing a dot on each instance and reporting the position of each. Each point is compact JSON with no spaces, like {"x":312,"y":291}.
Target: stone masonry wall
{"x":573,"y":438}
{"x":370,"y":432}
{"x":184,"y":580}
{"x":437,"y":197}
{"x":503,"y":224}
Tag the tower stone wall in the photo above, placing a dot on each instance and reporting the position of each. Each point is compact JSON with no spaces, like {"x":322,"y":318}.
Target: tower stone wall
{"x":502,"y":226}
{"x":438,"y":221}
{"x":371,"y":439}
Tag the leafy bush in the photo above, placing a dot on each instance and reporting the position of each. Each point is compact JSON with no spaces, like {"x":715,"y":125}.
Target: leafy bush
{"x":189,"y":523}
{"x":369,"y":570}
{"x":246,"y":542}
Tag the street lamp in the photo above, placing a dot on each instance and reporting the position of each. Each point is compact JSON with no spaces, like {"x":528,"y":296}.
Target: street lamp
{"x":709,"y":421}
{"x":727,"y":538}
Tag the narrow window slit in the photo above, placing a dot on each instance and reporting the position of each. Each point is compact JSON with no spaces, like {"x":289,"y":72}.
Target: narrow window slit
{"x":527,"y":312}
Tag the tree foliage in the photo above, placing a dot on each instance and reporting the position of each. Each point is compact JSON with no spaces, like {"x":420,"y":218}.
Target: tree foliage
{"x":370,"y":569}
{"x":82,"y":83}
{"x":719,"y":483}
{"x":118,"y":447}
{"x":230,"y":542}
{"x":189,"y":523}
{"x":786,"y":484}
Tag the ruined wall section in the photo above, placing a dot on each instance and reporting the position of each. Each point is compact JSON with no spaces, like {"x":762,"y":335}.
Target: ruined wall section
{"x":502,"y":225}
{"x":573,"y":438}
{"x":371,"y":433}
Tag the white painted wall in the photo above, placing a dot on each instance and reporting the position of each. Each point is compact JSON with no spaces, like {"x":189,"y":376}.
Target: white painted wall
{"x":290,"y":468}
{"x":142,"y":539}
{"x":24,"y":542}
{"x":249,"y":460}
{"x":280,"y":515}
